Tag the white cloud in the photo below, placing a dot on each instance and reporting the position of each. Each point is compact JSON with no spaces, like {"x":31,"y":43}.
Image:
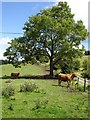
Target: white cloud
{"x":1,"y":54}
{"x":3,"y":45}
{"x":4,"y":41}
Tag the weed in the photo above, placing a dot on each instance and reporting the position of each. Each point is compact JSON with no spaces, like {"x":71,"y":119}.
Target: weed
{"x":44,"y":103}
{"x":8,"y":81}
{"x":11,"y":107}
{"x":28,"y":87}
{"x":80,"y":88}
{"x":8,"y":91}
{"x":40,"y":91}
{"x":37,"y":91}
{"x":43,"y":91}
{"x":12,"y":97}
{"x":40,"y":104}
{"x":22,"y":88}
{"x":88,"y":87}
{"x":25,"y":102}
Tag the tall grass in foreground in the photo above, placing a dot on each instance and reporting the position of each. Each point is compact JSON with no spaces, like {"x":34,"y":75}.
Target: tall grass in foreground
{"x":54,"y":102}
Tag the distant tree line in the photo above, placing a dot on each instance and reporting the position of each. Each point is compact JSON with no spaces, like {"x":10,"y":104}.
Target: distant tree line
{"x":87,"y":52}
{"x":3,"y":62}
{"x":86,"y":69}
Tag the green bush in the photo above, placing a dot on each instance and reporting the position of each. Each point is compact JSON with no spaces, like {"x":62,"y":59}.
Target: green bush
{"x":86,"y":74}
{"x":11,"y":107}
{"x":68,"y":66}
{"x":40,"y":104}
{"x":85,"y":65}
{"x":28,"y":87}
{"x":8,"y":91}
{"x":88,"y":87}
{"x":80,"y":88}
{"x":76,"y":65}
{"x":86,"y":69}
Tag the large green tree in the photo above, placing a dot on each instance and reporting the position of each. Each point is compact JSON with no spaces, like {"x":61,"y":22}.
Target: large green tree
{"x":53,"y":34}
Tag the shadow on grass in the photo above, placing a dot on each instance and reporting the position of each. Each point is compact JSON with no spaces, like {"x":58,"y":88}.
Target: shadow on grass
{"x":31,"y":77}
{"x":60,"y":85}
{"x":56,"y":85}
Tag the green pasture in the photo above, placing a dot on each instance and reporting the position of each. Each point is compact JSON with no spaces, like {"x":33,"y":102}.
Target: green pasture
{"x":48,"y":101}
{"x":28,"y":69}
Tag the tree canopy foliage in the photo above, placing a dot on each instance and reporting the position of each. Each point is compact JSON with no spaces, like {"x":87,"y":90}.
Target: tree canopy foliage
{"x":52,"y":34}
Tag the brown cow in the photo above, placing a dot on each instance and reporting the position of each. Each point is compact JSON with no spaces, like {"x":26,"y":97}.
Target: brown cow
{"x":66,"y":78}
{"x":15,"y":75}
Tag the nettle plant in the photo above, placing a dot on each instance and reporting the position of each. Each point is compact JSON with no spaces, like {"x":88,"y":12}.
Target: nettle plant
{"x":8,"y":91}
{"x":28,"y":87}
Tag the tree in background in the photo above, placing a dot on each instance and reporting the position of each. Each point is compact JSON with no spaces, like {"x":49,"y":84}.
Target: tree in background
{"x":2,"y":62}
{"x":87,"y":52}
{"x":52,"y":34}
{"x":86,"y":69}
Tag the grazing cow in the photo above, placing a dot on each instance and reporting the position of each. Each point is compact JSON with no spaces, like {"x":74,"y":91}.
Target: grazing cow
{"x":66,"y":78}
{"x":15,"y":75}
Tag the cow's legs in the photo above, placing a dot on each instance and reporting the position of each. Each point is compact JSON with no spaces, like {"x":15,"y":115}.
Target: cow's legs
{"x":59,"y":82}
{"x":68,"y":82}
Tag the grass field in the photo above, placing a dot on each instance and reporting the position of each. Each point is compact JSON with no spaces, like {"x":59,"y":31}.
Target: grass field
{"x":48,"y":101}
{"x":28,"y":69}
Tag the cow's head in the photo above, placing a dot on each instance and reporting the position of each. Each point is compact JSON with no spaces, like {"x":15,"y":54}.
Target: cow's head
{"x":18,"y":73}
{"x":74,"y":74}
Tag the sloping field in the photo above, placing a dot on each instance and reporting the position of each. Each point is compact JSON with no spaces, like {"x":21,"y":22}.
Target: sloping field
{"x":28,"y":69}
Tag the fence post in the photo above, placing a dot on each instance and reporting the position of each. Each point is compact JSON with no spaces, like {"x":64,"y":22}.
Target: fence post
{"x":84,"y":84}
{"x":77,"y":83}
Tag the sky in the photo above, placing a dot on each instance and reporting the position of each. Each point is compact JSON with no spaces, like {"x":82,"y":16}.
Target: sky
{"x":14,"y":15}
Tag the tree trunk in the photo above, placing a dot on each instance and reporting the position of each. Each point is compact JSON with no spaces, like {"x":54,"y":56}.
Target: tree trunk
{"x":51,"y":58}
{"x":51,"y":66}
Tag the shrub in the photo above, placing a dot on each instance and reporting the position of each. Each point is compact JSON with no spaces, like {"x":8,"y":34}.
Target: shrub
{"x":88,"y":87}
{"x":40,"y":104}
{"x":44,"y":103}
{"x":28,"y":87}
{"x":76,"y":65}
{"x":11,"y":107}
{"x":42,"y":91}
{"x":86,"y":74}
{"x":80,"y":88}
{"x":85,"y":64}
{"x":86,"y":69}
{"x":67,"y":66}
{"x":8,"y":91}
{"x":8,"y":81}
